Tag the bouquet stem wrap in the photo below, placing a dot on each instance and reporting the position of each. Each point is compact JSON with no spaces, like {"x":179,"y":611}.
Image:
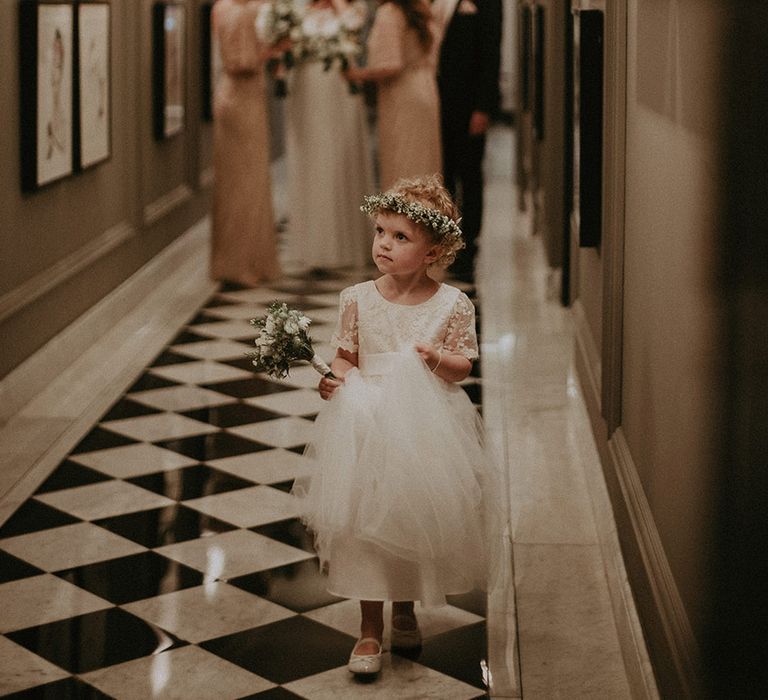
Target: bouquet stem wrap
{"x":318,"y":363}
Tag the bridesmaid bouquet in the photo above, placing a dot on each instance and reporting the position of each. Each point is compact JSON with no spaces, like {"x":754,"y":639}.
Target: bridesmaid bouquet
{"x":282,"y":340}
{"x":278,"y":24}
{"x":333,"y":38}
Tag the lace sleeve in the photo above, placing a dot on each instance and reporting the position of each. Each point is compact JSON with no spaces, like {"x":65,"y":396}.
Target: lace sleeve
{"x":385,"y":42}
{"x":345,"y":335}
{"x":460,"y":336}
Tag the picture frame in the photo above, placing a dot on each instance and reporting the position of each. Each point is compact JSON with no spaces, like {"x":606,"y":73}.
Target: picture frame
{"x":93,"y":89}
{"x":210,"y":61}
{"x":169,"y":74}
{"x":46,"y":83}
{"x":588,"y":28}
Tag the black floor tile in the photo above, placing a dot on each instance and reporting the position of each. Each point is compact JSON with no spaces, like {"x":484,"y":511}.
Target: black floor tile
{"x":161,"y":526}
{"x":149,"y":381}
{"x":188,"y":337}
{"x":202,"y":318}
{"x":101,"y":439}
{"x":272,"y":651}
{"x":232,"y":287}
{"x":298,"y":587}
{"x":216,"y":301}
{"x":190,"y":482}
{"x":70,"y":474}
{"x":126,"y":408}
{"x":12,"y":569}
{"x":476,"y":370}
{"x":460,"y":653}
{"x":284,"y":485}
{"x":66,"y":689}
{"x":213,"y":446}
{"x":168,"y":357}
{"x":244,"y":362}
{"x":34,"y":516}
{"x":248,"y":388}
{"x":298,"y":449}
{"x":474,"y":602}
{"x":134,"y":577}
{"x":231,"y":414}
{"x":273,"y":694}
{"x":291,"y":532}
{"x":95,"y":640}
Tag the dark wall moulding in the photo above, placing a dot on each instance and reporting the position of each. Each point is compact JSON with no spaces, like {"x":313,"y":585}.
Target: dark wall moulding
{"x":590,"y":125}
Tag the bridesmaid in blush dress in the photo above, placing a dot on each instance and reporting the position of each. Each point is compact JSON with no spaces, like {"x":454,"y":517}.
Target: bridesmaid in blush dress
{"x":243,"y":245}
{"x":402,"y":57}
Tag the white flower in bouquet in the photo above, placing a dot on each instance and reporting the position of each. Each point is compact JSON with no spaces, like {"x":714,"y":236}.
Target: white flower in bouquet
{"x":282,"y":340}
{"x":276,"y":20}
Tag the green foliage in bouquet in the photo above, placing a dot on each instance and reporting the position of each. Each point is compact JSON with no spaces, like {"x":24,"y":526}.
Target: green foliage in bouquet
{"x":282,"y":340}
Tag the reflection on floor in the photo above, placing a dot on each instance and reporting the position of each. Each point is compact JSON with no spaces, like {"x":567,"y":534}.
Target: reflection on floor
{"x":163,"y":556}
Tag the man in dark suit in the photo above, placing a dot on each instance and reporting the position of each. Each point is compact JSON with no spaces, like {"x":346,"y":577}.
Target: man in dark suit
{"x":468,"y":79}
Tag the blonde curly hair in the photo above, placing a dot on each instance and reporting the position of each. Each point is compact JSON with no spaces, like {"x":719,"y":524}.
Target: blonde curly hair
{"x":427,"y":202}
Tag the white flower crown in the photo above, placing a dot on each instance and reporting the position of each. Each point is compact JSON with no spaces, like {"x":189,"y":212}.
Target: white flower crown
{"x":447,"y":230}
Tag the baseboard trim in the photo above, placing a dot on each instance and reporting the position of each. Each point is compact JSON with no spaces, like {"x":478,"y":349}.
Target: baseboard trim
{"x":28,"y":379}
{"x":43,"y":282}
{"x":670,"y":610}
{"x":165,"y":204}
{"x":589,"y":355}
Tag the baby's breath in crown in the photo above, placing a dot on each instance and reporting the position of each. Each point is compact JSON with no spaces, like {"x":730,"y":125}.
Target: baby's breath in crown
{"x":448,"y":231}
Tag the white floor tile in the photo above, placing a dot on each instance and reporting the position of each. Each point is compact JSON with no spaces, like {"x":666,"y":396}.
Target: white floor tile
{"x":281,"y":432}
{"x":22,"y":669}
{"x":180,"y":398}
{"x":103,"y":500}
{"x":208,"y":611}
{"x":213,"y":349}
{"x":226,"y":329}
{"x":132,"y":460}
{"x":265,"y":467}
{"x":248,"y":507}
{"x":202,"y":372}
{"x":159,"y":426}
{"x":399,"y":678}
{"x":38,"y":600}
{"x":233,"y":554}
{"x":68,"y":546}
{"x":188,"y":673}
{"x":301,"y":402}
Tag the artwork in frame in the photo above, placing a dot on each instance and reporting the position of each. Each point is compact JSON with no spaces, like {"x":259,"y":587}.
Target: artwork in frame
{"x":169,"y":59}
{"x":210,"y":63}
{"x":46,"y":63}
{"x":93,"y":89}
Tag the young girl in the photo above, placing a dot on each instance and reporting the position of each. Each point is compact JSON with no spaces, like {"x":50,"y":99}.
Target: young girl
{"x":395,"y":500}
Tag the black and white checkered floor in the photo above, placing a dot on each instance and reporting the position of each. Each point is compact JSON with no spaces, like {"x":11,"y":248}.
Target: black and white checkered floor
{"x":163,"y":558}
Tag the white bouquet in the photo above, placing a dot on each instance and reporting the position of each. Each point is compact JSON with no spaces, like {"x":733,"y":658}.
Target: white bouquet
{"x":278,"y":24}
{"x":332,"y":37}
{"x":282,"y":340}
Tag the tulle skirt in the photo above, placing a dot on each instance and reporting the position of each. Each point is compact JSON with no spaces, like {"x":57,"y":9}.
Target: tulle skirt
{"x":400,"y":493}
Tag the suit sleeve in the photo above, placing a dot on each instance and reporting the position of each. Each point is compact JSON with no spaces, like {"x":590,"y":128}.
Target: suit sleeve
{"x":490,"y":55}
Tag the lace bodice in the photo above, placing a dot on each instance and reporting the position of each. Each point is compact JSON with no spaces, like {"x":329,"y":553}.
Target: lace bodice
{"x":368,"y":323}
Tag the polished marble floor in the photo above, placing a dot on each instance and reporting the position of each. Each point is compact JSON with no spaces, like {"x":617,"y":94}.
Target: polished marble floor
{"x":163,"y":556}
{"x":148,"y":548}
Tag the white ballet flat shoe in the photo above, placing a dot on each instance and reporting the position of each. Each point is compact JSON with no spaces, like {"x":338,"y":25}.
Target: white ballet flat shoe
{"x":365,"y":663}
{"x":405,"y":638}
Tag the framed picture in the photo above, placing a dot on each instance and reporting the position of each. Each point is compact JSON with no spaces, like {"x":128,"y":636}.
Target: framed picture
{"x":46,"y":37}
{"x":93,"y":85}
{"x":210,"y":61}
{"x":169,"y":58}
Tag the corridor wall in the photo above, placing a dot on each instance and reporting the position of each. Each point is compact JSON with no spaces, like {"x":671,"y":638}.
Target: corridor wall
{"x":649,"y":319}
{"x":64,"y":246}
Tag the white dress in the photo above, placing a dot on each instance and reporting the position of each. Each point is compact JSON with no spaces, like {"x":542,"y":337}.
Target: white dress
{"x":399,"y":493}
{"x":329,"y":167}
